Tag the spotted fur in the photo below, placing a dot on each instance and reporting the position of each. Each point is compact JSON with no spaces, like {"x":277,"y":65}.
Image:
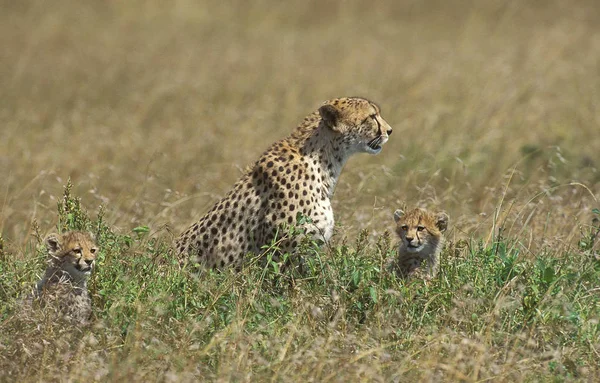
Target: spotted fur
{"x":295,"y":175}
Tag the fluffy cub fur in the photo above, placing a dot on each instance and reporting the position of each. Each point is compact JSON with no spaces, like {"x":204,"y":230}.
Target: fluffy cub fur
{"x":71,"y":259}
{"x":421,"y":240}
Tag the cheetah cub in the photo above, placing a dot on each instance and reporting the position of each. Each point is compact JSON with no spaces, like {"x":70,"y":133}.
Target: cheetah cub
{"x":421,"y":234}
{"x":71,"y":258}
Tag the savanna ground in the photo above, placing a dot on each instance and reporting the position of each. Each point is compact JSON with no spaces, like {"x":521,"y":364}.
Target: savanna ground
{"x":153,"y":109}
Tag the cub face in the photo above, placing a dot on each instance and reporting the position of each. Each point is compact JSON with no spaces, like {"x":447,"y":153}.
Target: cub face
{"x":74,"y":252}
{"x":358,"y":121}
{"x":419,"y":228}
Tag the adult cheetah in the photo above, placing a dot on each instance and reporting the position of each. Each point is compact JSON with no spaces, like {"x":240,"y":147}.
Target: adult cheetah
{"x":297,"y":174}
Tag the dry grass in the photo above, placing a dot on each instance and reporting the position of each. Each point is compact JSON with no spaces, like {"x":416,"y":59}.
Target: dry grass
{"x":152,"y":108}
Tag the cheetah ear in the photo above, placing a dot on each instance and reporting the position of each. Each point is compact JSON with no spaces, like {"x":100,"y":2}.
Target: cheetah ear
{"x":331,"y":117}
{"x":397,"y":215}
{"x":52,"y":242}
{"x":442,"y":221}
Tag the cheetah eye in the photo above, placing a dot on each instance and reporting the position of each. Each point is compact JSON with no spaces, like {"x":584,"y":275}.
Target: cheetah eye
{"x":93,"y":250}
{"x":372,"y":116}
{"x":404,"y":227}
{"x":420,"y":228}
{"x":77,"y":251}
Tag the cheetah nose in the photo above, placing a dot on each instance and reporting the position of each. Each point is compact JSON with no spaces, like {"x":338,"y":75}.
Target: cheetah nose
{"x":89,"y":262}
{"x":389,"y":132}
{"x":409,"y":239}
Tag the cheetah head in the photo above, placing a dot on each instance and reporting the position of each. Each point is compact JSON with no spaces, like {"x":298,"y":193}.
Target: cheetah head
{"x":420,"y":229}
{"x":73,"y":252}
{"x":357,"y":122}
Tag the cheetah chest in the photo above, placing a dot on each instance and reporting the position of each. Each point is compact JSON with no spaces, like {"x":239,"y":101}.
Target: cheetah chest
{"x":322,"y":223}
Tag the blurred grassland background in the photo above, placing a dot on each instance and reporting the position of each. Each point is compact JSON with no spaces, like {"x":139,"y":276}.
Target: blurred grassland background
{"x":154,"y":108}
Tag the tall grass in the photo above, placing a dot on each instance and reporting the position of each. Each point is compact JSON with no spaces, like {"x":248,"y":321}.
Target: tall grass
{"x":152,"y":109}
{"x":493,"y":313}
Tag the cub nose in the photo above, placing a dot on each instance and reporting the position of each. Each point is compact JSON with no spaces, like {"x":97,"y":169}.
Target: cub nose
{"x":89,"y":262}
{"x":389,"y":132}
{"x":409,"y":239}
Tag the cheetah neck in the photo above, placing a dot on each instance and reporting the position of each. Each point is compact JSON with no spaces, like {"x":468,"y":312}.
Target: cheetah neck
{"x":326,"y":154}
{"x":55,"y":275}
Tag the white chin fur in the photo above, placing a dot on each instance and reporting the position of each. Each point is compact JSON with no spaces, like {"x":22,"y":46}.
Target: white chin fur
{"x":72,"y":270}
{"x":370,"y":150}
{"x":373,"y":151}
{"x":414,"y":249}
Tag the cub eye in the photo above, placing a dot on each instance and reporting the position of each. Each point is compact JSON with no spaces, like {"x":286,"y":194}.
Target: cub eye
{"x":404,"y":227}
{"x":77,"y":251}
{"x":93,"y":250}
{"x":420,"y":228}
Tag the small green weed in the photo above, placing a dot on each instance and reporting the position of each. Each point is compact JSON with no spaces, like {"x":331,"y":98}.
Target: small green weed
{"x":280,"y":310}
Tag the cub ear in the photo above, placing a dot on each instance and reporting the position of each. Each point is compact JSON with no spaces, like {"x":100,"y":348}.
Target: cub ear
{"x":441,"y":219}
{"x":331,"y":116}
{"x":397,"y":215}
{"x":52,"y":242}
